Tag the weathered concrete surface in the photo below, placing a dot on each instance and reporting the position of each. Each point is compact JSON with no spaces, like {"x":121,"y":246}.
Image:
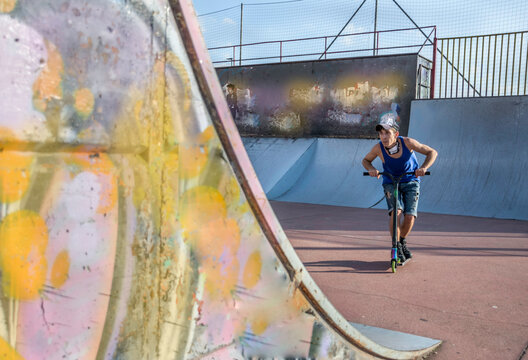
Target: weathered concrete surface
{"x":132,"y":225}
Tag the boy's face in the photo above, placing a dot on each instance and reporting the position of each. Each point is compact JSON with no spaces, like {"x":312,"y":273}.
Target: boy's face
{"x":230,"y":90}
{"x":388,"y":137}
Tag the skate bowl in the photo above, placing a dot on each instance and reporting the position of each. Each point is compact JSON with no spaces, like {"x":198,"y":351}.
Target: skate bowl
{"x":133,"y":225}
{"x":478,"y":144}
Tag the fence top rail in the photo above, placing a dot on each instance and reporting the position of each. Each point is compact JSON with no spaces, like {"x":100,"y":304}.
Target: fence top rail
{"x":329,"y":53}
{"x":319,"y":37}
{"x":300,"y":55}
{"x":486,"y":35}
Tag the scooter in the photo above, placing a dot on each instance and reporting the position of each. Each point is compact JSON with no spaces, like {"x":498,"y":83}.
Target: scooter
{"x":395,"y":260}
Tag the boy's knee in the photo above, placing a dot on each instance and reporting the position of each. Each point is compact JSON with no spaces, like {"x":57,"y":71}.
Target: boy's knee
{"x":398,"y":213}
{"x":409,"y":218}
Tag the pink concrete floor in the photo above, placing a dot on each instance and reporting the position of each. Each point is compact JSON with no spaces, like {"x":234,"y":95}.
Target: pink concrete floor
{"x":467,"y":283}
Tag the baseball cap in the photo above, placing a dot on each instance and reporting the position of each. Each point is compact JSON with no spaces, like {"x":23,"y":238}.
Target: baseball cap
{"x":388,"y":120}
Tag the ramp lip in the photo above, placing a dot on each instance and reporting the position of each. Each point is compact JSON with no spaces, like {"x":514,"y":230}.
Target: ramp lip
{"x":210,"y":90}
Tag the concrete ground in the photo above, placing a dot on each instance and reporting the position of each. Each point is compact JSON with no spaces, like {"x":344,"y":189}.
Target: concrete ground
{"x":467,"y":283}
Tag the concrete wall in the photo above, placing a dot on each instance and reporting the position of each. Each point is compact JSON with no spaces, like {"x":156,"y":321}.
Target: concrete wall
{"x":334,"y":98}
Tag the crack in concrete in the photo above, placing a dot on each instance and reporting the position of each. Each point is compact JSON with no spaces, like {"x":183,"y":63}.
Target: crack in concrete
{"x":44,"y":313}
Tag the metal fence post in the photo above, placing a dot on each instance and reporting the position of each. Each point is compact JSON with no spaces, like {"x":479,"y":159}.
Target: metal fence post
{"x":241,"y":18}
{"x":433,"y":71}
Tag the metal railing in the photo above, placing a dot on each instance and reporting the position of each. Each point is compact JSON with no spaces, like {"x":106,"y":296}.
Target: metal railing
{"x":275,"y":50}
{"x":482,"y":65}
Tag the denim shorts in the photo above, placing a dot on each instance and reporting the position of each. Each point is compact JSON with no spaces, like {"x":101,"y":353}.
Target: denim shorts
{"x":408,"y":194}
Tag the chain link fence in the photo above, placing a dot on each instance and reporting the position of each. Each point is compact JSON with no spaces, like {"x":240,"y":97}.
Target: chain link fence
{"x":269,"y":22}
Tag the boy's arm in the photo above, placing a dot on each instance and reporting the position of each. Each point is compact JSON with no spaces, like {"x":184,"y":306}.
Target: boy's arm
{"x":367,"y":161}
{"x":429,"y":152}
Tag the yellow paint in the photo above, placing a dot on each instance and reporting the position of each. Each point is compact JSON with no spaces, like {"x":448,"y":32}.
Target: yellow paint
{"x":60,"y":269}
{"x":200,"y":205}
{"x":179,"y":122}
{"x":193,"y":160}
{"x":84,"y":101}
{"x":181,"y":73}
{"x":259,"y":323}
{"x":14,"y":175}
{"x":7,"y":352}
{"x":6,"y":134}
{"x":138,"y":106}
{"x":170,"y":195}
{"x":48,"y":84}
{"x":299,"y":302}
{"x":212,"y":237}
{"x":222,"y":278}
{"x":252,"y":270}
{"x":207,"y":135}
{"x":7,"y":5}
{"x":229,"y":186}
{"x":244,"y":207}
{"x":23,"y":242}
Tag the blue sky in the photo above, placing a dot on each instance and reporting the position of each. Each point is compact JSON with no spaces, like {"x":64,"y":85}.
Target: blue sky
{"x":453,"y":17}
{"x":270,"y":20}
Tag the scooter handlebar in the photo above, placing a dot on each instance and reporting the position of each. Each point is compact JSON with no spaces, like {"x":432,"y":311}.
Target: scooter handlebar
{"x":365,"y":173}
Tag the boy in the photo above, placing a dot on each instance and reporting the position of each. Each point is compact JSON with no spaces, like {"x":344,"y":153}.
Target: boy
{"x":398,"y":157}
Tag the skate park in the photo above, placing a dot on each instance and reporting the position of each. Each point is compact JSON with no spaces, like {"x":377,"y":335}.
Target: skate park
{"x":312,"y":174}
{"x":134,"y":226}
{"x":465,"y":237}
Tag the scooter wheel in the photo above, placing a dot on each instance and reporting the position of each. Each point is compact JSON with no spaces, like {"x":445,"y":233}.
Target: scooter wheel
{"x":393,"y":265}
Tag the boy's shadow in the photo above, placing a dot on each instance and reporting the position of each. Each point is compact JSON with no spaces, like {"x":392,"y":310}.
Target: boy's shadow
{"x":351,"y":266}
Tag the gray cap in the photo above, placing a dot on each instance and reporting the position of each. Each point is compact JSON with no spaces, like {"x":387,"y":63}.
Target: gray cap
{"x":388,"y":120}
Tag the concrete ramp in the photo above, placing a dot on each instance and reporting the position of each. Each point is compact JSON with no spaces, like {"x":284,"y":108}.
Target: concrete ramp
{"x":279,"y":162}
{"x":332,"y":173}
{"x":132,"y":224}
{"x":334,"y":176}
{"x":483,"y":155}
{"x":480,"y":169}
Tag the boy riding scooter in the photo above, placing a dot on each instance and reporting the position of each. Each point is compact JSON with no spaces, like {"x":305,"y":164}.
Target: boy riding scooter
{"x":398,"y":157}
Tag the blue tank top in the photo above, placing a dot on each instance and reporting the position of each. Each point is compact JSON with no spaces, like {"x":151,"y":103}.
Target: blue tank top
{"x":407,"y":162}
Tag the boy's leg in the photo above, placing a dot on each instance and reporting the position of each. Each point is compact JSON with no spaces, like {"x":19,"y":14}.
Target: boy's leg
{"x":411,"y":194}
{"x":406,"y":227}
{"x":389,"y":191}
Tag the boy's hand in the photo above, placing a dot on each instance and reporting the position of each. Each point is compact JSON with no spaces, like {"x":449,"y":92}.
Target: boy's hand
{"x":374,"y":173}
{"x":420,"y":172}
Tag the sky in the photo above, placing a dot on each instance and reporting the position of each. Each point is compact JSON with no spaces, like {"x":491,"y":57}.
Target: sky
{"x":271,"y":20}
{"x":453,"y":17}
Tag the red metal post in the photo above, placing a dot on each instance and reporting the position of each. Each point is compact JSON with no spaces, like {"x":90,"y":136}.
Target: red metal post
{"x":433,"y":73}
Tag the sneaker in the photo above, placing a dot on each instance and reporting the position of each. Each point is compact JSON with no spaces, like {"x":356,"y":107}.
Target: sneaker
{"x":401,"y":255}
{"x":404,"y":249}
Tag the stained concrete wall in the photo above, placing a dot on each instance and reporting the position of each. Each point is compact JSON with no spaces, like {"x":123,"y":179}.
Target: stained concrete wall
{"x":331,"y":98}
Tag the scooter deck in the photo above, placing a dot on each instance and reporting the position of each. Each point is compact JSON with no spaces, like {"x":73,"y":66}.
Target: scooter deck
{"x":405,"y":262}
